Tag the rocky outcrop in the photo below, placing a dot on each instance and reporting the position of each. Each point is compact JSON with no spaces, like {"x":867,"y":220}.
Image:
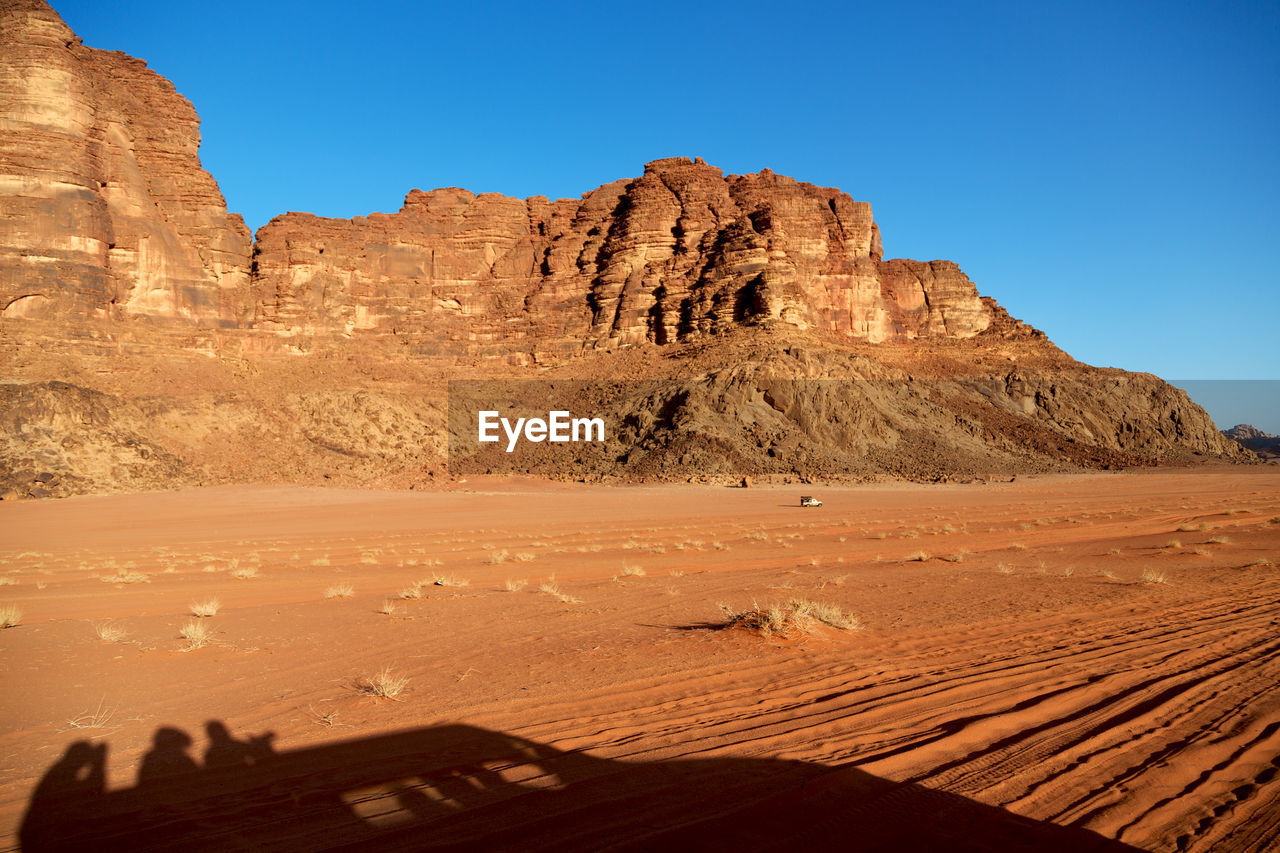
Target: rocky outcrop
{"x":149,"y":345}
{"x":105,"y":210}
{"x":1262,"y":443}
{"x":676,"y":254}
{"x":107,"y":213}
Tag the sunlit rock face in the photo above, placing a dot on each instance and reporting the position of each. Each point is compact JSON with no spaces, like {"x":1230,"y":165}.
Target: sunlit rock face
{"x":106,"y":212}
{"x":680,"y":252}
{"x":104,"y":207}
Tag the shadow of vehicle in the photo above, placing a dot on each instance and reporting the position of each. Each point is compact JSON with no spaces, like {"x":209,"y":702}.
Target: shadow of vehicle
{"x":462,"y":787}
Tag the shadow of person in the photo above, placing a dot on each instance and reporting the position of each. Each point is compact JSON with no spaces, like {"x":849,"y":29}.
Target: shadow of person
{"x":462,"y":787}
{"x":226,"y":751}
{"x":168,"y":757}
{"x":70,"y":790}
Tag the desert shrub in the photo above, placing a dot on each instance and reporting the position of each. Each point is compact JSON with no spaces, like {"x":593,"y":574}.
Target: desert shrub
{"x":795,"y":618}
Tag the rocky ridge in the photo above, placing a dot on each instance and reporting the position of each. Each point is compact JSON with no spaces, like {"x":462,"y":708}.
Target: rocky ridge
{"x":676,"y":254}
{"x":1247,"y":435}
{"x":151,"y":344}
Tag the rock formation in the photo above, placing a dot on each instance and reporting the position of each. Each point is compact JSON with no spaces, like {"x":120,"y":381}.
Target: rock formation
{"x":676,"y":254}
{"x":149,"y":344}
{"x":104,"y":208}
{"x":1247,"y":435}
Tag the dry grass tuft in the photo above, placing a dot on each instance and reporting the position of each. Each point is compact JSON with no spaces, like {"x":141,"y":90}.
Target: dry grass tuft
{"x":196,"y":633}
{"x":796,"y":618}
{"x":99,"y":718}
{"x":126,"y":576}
{"x":514,"y":585}
{"x":917,"y":557}
{"x":245,"y":573}
{"x":1152,"y":576}
{"x":340,"y":590}
{"x":384,"y":684}
{"x":388,"y":607}
{"x":1004,"y":568}
{"x":1218,"y":540}
{"x":1173,"y":543}
{"x":411,"y":592}
{"x":203,"y":609}
{"x":109,"y":632}
{"x":10,"y":616}
{"x":632,"y":572}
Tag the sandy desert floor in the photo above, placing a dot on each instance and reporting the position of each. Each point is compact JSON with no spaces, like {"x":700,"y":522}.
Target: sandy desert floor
{"x":1068,"y":662}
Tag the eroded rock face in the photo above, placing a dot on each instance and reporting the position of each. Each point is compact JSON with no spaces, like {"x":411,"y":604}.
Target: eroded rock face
{"x":678,"y":253}
{"x":107,"y":213}
{"x":104,"y":207}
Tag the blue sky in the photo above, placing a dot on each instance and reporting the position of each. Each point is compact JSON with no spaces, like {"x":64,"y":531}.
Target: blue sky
{"x":1107,"y":171}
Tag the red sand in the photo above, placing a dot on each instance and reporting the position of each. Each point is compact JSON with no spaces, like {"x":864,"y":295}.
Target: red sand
{"x":1021,"y":686}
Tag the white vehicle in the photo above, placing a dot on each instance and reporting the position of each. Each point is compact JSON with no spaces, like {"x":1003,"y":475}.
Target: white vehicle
{"x":808,"y":500}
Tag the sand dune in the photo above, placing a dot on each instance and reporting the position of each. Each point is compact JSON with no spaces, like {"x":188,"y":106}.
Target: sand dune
{"x":1075,"y":662}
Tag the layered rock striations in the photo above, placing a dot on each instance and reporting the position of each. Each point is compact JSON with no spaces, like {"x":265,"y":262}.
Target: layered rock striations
{"x":676,"y":254}
{"x":149,"y":343}
{"x":105,"y":210}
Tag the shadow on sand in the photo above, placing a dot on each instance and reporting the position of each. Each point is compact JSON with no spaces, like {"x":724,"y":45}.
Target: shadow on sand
{"x":468,"y":788}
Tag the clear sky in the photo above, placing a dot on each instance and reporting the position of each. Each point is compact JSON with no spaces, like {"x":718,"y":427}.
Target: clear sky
{"x":1108,"y":171}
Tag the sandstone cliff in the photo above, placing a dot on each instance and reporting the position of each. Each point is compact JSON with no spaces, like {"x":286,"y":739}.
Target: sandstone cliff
{"x":149,"y":344}
{"x":104,"y":208}
{"x":676,"y":254}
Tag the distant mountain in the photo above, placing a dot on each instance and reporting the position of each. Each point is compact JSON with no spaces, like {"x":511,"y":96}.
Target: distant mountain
{"x":1262,"y":443}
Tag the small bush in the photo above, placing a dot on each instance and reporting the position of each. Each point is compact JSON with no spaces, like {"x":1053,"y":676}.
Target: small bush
{"x":203,"y":609}
{"x":384,"y":684}
{"x":797,"y":617}
{"x":196,"y":633}
{"x":109,"y":632}
{"x":340,"y":590}
{"x":10,"y":616}
{"x":1152,"y":576}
